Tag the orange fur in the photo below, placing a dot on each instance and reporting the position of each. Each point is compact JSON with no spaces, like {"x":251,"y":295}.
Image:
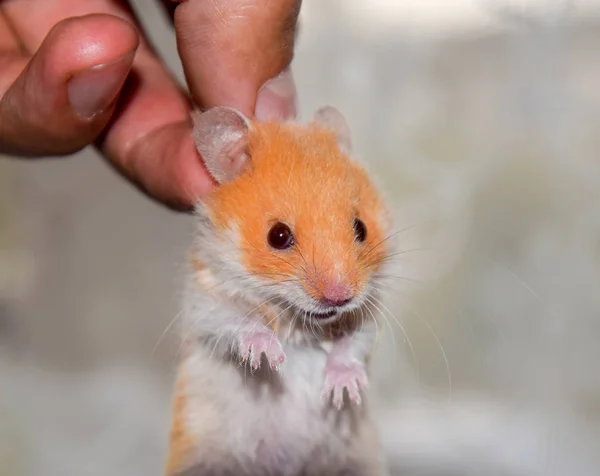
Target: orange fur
{"x":181,"y":442}
{"x":269,"y":317}
{"x":300,"y":177}
{"x":185,"y":440}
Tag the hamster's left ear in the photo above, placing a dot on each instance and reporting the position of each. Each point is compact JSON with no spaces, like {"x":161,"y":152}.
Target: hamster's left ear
{"x":332,"y":119}
{"x":221,"y":137}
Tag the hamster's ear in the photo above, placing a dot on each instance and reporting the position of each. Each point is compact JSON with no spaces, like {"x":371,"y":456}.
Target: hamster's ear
{"x":332,"y":119}
{"x":221,"y":136}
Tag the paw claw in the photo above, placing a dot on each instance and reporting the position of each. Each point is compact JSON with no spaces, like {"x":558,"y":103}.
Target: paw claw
{"x":254,"y":344}
{"x":339,"y":377}
{"x":275,"y":367}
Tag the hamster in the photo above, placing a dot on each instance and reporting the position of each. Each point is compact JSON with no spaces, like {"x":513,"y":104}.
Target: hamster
{"x":279,"y":310}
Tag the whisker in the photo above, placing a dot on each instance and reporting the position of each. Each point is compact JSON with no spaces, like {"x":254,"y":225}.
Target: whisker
{"x":281,"y":259}
{"x":200,"y":317}
{"x":270,"y":285}
{"x":243,"y":277}
{"x":370,"y":250}
{"x":162,"y":336}
{"x":391,"y":276}
{"x":292,"y":322}
{"x":218,"y":340}
{"x":186,"y":336}
{"x":302,"y":256}
{"x":378,"y":334}
{"x":313,"y":258}
{"x":279,"y":314}
{"x":405,"y":333}
{"x":440,"y":346}
{"x":247,"y":315}
{"x":311,"y":325}
{"x":504,"y":267}
{"x":386,"y":321}
{"x":298,"y":267}
{"x":446,"y":362}
{"x":517,"y":278}
{"x":390,"y":257}
{"x":457,"y":311}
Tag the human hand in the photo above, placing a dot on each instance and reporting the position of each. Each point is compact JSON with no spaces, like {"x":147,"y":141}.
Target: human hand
{"x":79,"y":73}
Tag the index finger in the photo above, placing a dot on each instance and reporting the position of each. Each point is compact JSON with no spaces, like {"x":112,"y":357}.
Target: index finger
{"x":231,"y":48}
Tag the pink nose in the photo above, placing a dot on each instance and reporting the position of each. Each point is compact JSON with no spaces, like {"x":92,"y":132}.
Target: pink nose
{"x":336,"y":294}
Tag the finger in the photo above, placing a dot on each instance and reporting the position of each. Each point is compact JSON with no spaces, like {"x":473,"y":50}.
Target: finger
{"x":231,"y":48}
{"x":149,"y":136}
{"x":12,"y":61}
{"x":60,"y":99}
{"x":162,"y":158}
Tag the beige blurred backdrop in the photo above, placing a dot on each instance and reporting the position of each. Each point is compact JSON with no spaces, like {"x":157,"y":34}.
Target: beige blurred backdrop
{"x":481,"y":119}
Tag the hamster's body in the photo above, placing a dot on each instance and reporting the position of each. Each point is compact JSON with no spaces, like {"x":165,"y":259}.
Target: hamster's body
{"x":279,"y":308}
{"x":267,"y":423}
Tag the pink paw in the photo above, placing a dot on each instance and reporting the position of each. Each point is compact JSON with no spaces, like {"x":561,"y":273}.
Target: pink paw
{"x":339,"y":376}
{"x":254,"y":344}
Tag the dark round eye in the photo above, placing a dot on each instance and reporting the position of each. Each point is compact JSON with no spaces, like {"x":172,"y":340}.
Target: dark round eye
{"x":280,"y":237}
{"x":360,"y":230}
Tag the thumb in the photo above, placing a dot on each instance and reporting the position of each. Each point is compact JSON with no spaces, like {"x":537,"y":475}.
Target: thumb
{"x":62,"y":97}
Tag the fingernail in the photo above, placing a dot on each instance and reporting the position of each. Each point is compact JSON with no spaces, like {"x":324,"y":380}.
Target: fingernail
{"x":276,"y":99}
{"x":93,"y":90}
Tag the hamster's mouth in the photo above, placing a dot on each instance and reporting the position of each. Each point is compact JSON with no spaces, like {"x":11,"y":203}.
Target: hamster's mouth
{"x":323,"y":314}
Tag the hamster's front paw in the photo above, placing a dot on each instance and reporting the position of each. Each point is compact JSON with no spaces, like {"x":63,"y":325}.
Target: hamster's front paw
{"x":253,"y":344}
{"x":351,"y":376}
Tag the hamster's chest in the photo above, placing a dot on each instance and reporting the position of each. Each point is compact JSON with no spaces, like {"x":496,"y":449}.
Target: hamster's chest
{"x":297,"y":384}
{"x":283,"y":412}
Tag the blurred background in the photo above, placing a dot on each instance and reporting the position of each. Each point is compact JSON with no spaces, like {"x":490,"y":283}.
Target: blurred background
{"x":482,"y":120}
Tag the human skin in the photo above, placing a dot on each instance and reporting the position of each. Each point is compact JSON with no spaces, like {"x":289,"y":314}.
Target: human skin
{"x":80,"y":73}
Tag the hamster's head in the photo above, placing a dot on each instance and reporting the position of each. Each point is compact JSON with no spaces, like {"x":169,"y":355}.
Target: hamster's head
{"x":295,"y":221}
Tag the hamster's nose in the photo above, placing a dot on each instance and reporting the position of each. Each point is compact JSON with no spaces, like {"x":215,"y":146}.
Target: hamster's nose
{"x":336,"y":294}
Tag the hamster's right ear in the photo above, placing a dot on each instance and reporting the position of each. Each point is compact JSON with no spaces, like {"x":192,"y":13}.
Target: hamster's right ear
{"x":332,"y":119}
{"x":221,"y":137}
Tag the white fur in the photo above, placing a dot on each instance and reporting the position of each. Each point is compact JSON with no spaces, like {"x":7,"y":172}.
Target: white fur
{"x":289,"y":416}
{"x":267,"y":422}
{"x":277,"y":422}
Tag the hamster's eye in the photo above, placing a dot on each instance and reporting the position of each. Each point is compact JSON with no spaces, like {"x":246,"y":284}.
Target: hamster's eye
{"x":360,"y":230}
{"x":280,"y":237}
